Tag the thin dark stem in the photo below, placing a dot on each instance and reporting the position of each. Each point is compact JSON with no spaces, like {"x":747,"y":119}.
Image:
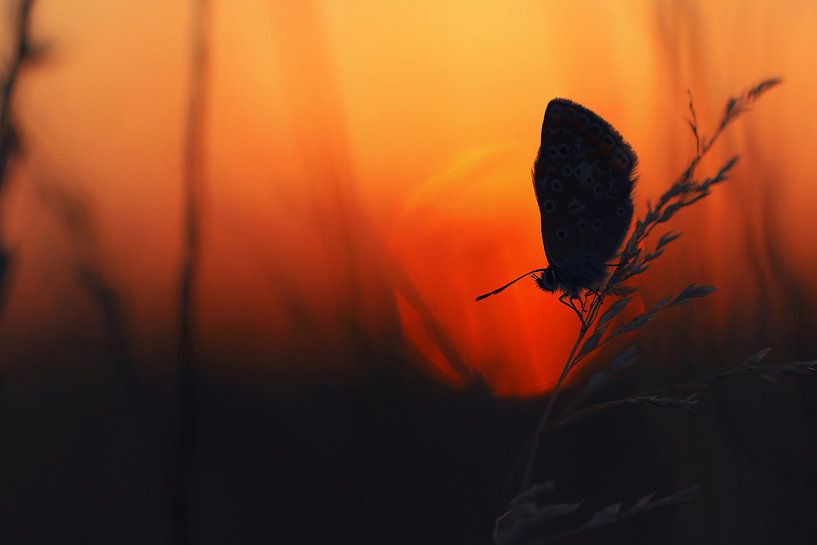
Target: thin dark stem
{"x":78,"y":223}
{"x":124,"y":367}
{"x":109,"y":305}
{"x":192,"y":179}
{"x":22,"y":47}
{"x":541,"y":428}
{"x":9,"y":143}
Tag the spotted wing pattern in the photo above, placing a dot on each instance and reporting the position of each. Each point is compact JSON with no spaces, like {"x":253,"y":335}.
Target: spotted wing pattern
{"x":583,"y":177}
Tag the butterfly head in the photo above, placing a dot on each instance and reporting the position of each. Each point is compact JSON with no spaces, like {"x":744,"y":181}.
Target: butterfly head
{"x":547,"y":281}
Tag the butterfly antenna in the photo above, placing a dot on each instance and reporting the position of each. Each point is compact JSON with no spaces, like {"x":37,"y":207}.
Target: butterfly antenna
{"x":484,"y":295}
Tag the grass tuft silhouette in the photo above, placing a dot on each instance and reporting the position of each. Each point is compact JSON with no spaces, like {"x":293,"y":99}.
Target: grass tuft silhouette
{"x":528,"y":518}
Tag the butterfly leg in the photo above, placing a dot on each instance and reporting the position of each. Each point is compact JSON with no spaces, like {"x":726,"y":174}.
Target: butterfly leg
{"x":583,"y":299}
{"x":570,"y":305}
{"x":579,"y":313}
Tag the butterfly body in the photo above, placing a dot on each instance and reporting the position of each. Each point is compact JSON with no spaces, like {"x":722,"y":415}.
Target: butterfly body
{"x":583,"y":178}
{"x":572,"y":281}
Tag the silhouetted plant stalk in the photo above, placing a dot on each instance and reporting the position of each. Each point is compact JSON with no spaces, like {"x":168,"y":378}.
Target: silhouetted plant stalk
{"x":192,"y":179}
{"x":76,"y":218}
{"x":508,"y":531}
{"x":23,"y":52}
{"x":78,"y":222}
{"x":658,"y":397}
{"x":527,"y":512}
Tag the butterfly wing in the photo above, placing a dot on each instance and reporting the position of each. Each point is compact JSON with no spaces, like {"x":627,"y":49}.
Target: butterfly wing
{"x":583,"y":177}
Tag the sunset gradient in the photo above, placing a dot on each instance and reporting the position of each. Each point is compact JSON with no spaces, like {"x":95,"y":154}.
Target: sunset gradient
{"x":368,"y":174}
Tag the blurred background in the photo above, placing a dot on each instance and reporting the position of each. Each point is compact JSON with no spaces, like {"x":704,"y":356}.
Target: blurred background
{"x":364,"y":173}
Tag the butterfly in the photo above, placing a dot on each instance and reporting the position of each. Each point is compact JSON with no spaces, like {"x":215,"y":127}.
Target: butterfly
{"x":583,"y":178}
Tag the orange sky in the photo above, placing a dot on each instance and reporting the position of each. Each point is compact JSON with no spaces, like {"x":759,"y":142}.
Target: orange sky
{"x":369,"y":169}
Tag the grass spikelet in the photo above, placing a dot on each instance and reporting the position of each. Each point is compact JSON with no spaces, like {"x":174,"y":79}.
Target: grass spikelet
{"x":635,"y":259}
